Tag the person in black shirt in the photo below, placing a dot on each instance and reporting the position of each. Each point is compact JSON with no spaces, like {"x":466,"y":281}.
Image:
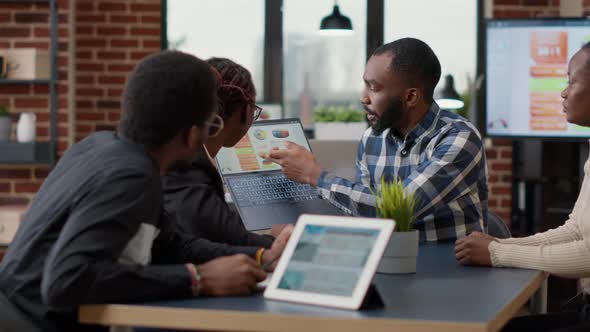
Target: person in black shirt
{"x":195,"y":195}
{"x":96,"y":232}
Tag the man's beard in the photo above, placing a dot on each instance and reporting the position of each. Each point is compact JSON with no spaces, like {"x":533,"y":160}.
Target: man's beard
{"x":391,"y":115}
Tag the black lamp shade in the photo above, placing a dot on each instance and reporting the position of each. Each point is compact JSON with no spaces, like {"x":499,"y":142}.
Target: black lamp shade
{"x":448,"y":91}
{"x":336,"y":21}
{"x":447,"y":97}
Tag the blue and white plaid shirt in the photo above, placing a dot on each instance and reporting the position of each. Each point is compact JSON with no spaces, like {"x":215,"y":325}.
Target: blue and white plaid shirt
{"x":442,"y":160}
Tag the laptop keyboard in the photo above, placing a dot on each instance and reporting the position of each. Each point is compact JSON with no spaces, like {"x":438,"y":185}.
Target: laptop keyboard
{"x":270,"y":189}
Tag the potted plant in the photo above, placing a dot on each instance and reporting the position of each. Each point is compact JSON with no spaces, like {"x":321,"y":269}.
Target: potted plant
{"x":338,"y":123}
{"x":5,"y":123}
{"x":402,"y":250}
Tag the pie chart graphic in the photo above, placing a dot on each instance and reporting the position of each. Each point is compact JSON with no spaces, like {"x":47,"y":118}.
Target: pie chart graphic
{"x":280,"y":133}
{"x":260,"y":134}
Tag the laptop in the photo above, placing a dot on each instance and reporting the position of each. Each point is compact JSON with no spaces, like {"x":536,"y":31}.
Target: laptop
{"x":330,"y":261}
{"x":262,"y":194}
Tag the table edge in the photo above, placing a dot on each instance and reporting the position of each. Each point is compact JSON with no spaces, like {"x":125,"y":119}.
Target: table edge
{"x":508,"y":311}
{"x":207,"y":319}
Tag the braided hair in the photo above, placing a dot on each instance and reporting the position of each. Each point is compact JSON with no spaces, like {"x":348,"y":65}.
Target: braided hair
{"x":236,"y":89}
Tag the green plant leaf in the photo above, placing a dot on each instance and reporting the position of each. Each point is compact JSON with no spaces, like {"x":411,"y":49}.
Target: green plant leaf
{"x":394,"y":203}
{"x":337,"y":114}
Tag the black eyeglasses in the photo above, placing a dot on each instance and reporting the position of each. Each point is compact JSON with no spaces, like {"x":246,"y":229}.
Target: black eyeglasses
{"x":257,"y":111}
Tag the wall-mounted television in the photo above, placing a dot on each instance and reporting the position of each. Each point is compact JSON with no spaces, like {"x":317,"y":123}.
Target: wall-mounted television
{"x":525,"y":72}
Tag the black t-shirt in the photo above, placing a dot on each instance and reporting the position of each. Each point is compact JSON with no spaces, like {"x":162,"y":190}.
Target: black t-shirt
{"x":96,"y":232}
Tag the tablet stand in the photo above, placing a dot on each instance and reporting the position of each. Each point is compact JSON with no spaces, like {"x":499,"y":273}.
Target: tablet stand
{"x":372,"y":298}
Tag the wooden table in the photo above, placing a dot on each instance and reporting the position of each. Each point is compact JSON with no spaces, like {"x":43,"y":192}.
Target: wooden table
{"x":441,"y":296}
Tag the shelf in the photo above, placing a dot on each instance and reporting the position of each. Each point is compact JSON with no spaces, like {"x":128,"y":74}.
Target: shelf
{"x":9,"y":81}
{"x":25,"y":153}
{"x":38,"y":153}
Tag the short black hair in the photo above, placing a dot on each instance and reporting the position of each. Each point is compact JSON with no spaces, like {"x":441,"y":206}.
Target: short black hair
{"x":166,"y":94}
{"x":236,"y":90}
{"x":415,"y":62}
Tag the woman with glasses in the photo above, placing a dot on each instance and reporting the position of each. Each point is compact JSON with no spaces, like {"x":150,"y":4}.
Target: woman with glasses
{"x":195,"y":195}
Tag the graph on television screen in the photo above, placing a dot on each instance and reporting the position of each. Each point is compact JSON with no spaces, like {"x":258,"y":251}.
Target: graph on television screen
{"x":526,"y":70}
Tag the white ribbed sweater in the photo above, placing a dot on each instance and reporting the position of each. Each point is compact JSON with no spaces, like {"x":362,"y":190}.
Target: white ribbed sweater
{"x":563,"y":251}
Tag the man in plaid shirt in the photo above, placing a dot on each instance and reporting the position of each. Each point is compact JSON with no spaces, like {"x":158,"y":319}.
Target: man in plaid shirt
{"x":438,"y":154}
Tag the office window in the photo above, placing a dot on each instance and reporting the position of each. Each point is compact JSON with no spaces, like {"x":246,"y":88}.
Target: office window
{"x":448,"y":26}
{"x":232,"y":29}
{"x":321,"y":70}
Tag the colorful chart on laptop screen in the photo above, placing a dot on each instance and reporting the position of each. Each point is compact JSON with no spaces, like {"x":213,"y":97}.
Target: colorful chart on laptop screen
{"x":281,"y":133}
{"x":246,"y":155}
{"x":259,"y":134}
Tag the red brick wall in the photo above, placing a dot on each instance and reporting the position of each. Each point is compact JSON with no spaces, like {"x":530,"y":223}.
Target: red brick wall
{"x":526,"y":8}
{"x":499,"y":158}
{"x":110,"y":37}
{"x":27,"y":25}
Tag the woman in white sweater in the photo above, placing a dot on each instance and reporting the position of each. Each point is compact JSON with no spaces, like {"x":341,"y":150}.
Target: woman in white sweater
{"x":564,"y":251}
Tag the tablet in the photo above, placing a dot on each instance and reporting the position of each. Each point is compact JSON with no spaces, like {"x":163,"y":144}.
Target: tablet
{"x":330,"y":260}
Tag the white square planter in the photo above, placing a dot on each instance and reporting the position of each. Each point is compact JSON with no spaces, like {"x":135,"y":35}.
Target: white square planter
{"x":401,"y":253}
{"x":339,"y":130}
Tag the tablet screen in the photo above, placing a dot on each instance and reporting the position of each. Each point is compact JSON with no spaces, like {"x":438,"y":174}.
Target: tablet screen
{"x":329,"y":259}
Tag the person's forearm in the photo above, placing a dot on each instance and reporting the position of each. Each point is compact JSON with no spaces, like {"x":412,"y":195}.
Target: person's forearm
{"x":565,"y":259}
{"x":565,"y":233}
{"x":260,"y":240}
{"x":112,"y":282}
{"x":195,"y":250}
{"x":354,"y":198}
{"x":174,"y":247}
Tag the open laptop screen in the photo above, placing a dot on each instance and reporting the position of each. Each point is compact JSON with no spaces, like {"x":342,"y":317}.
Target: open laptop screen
{"x":263,"y":136}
